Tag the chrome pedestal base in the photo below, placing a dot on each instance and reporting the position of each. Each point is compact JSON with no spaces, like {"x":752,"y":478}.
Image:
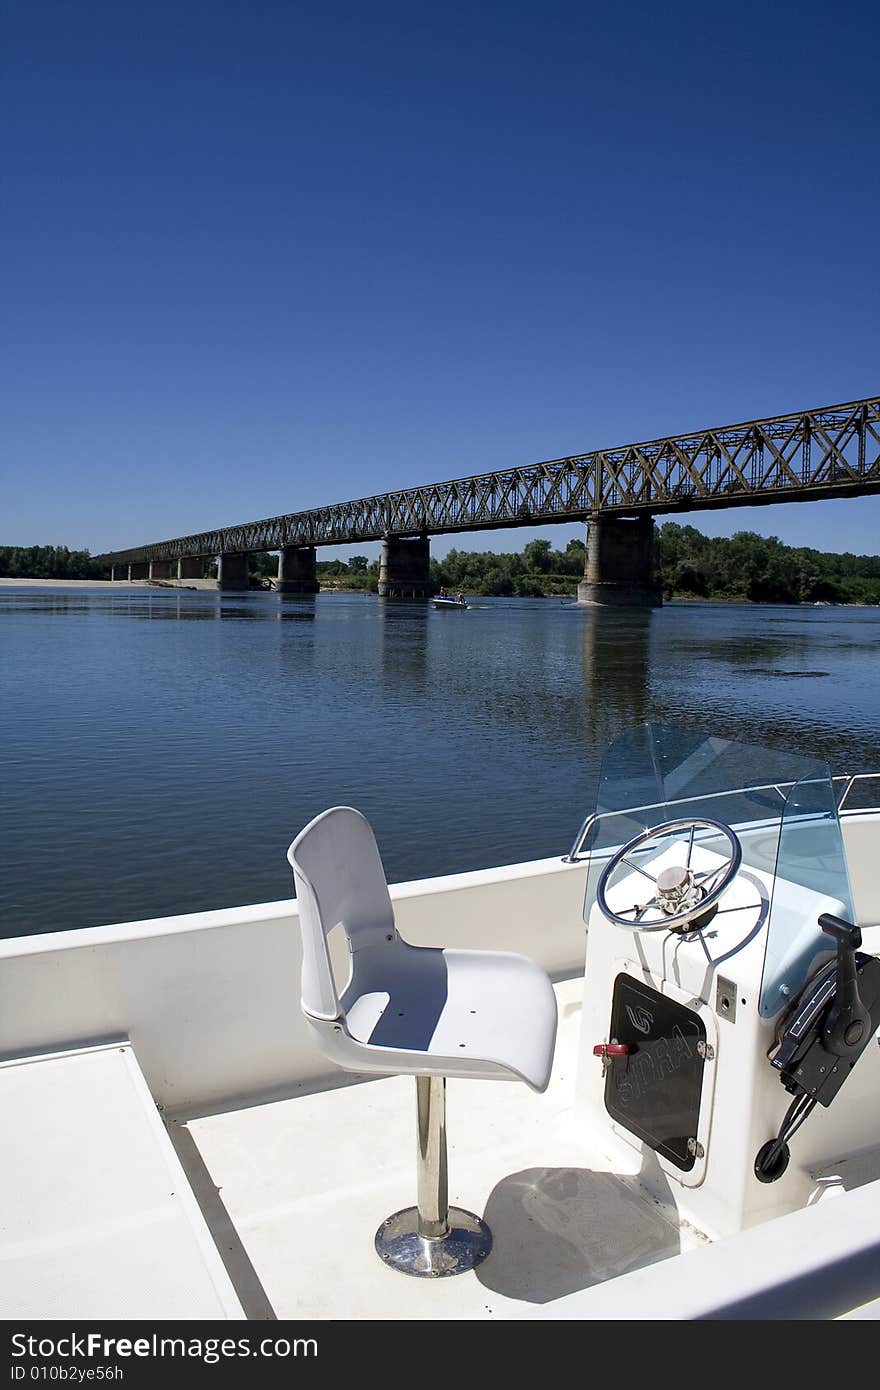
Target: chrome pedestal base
{"x":466,"y":1244}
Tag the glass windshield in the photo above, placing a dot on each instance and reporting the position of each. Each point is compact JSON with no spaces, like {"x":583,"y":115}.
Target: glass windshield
{"x":811,"y":856}
{"x":781,"y":805}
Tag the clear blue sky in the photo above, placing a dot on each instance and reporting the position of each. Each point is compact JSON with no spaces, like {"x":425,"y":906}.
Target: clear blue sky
{"x":258,"y":257}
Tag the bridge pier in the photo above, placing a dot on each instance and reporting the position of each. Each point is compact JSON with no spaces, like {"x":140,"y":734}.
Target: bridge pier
{"x":233,"y":573}
{"x":296,"y":570}
{"x":119,"y":571}
{"x":191,"y":567}
{"x":160,"y":569}
{"x":620,"y":563}
{"x":405,"y":568}
{"x":139,"y":570}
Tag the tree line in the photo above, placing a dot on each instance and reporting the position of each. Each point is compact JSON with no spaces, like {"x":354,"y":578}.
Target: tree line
{"x":535,"y":572}
{"x":48,"y":562}
{"x":760,"y":569}
{"x":743,"y":567}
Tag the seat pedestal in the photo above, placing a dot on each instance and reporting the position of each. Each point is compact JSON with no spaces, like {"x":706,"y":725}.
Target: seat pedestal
{"x":433,"y":1239}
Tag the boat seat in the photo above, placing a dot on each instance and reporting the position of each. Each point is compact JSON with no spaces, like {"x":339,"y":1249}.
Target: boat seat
{"x":98,"y":1220}
{"x":414,"y":1010}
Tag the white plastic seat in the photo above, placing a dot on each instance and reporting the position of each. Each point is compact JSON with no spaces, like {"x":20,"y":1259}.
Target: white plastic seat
{"x":417,"y":1010}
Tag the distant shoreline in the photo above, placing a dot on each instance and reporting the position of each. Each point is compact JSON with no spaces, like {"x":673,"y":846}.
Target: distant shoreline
{"x":184,"y":585}
{"x":77,"y":583}
{"x":210,"y":586}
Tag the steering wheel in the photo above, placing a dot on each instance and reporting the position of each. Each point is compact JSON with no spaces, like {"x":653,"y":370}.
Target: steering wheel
{"x":679,"y":894}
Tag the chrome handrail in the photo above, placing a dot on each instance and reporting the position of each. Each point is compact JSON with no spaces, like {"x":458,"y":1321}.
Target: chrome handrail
{"x":850,"y":782}
{"x":849,"y":779}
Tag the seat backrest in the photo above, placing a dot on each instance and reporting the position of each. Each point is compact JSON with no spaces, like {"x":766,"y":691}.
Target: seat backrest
{"x":339,"y":880}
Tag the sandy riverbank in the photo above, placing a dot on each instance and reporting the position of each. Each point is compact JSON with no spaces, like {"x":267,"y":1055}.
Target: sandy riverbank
{"x":209,"y":584}
{"x":154,"y":585}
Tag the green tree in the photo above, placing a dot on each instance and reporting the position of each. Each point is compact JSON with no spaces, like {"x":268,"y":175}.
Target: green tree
{"x":537,"y":556}
{"x":263,"y":563}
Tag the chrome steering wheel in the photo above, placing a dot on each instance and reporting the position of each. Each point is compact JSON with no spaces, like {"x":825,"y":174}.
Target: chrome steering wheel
{"x":679,"y":894}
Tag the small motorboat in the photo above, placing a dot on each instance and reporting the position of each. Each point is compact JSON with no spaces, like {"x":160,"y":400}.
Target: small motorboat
{"x":448,"y":601}
{"x":684,"y":1125}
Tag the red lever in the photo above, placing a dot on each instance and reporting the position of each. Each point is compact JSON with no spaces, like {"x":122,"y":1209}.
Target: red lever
{"x":612,"y":1049}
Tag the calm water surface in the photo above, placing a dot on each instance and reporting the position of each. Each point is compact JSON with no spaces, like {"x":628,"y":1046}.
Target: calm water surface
{"x":161,"y":750}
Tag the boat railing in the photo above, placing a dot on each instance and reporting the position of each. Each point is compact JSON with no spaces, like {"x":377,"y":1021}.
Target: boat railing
{"x":844,"y":783}
{"x":850,"y":784}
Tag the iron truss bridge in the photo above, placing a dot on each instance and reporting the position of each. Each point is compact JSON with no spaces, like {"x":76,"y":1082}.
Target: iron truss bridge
{"x":830,"y":452}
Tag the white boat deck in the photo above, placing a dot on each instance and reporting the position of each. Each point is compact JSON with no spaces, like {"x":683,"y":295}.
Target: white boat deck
{"x":295,"y":1190}
{"x":276,"y":1214}
{"x":98,"y":1218}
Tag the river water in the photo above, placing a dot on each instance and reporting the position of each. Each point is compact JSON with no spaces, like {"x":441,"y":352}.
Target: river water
{"x":161,"y":749}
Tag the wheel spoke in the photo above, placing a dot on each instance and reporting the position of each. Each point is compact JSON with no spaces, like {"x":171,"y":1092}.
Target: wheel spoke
{"x":642,"y":910}
{"x":704,"y":879}
{"x":707,"y":874}
{"x":639,"y":909}
{"x":648,"y":876}
{"x":687,"y":862}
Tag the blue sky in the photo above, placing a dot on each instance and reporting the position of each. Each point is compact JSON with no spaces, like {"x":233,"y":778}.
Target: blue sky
{"x":261,"y":257}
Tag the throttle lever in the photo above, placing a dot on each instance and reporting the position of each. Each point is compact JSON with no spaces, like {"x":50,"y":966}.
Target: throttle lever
{"x":847,"y":1020}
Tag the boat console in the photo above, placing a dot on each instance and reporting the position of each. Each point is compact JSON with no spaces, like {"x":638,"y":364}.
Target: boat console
{"x":727,"y":1006}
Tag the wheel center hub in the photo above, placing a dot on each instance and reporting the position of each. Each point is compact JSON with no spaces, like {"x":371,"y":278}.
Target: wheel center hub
{"x":676,"y":888}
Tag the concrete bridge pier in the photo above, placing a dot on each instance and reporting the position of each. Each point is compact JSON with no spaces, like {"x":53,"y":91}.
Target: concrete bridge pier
{"x":191,"y":567}
{"x":296,"y":570}
{"x":119,"y":571}
{"x":233,"y":573}
{"x":160,"y":569}
{"x":620,"y":563}
{"x":139,"y":570}
{"x":405,"y":568}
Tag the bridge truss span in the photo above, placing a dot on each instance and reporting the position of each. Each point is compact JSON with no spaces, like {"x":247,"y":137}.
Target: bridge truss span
{"x":819,"y":453}
{"x":833,"y":451}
